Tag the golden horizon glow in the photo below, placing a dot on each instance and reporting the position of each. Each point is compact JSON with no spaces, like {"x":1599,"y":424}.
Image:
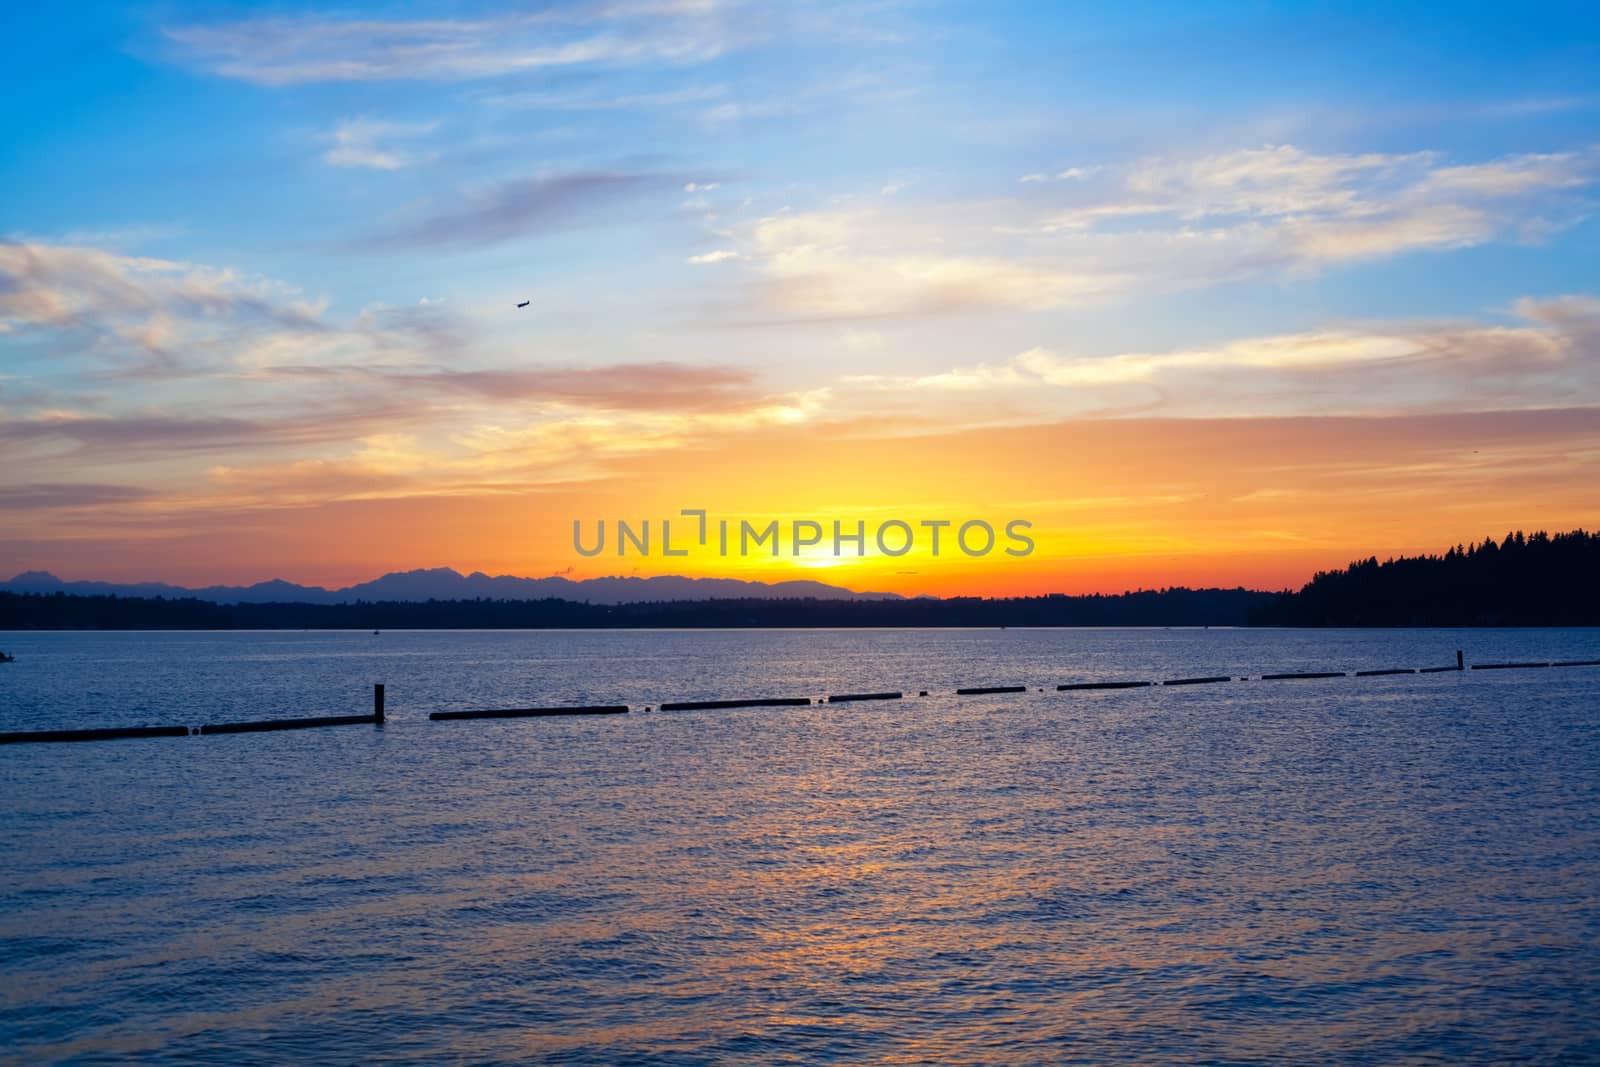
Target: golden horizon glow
{"x":1115,"y":505}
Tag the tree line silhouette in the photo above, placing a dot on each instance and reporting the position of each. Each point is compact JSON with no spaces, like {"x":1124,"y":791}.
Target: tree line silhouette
{"x":1525,"y":580}
{"x":1532,"y":580}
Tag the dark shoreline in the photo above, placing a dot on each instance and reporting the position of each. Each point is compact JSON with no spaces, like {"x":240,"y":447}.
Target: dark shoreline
{"x":1175,"y":607}
{"x":1188,"y":609}
{"x":1524,"y":581}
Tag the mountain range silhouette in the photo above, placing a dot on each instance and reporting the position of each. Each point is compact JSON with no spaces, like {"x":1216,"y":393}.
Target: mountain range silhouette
{"x":445,"y":583}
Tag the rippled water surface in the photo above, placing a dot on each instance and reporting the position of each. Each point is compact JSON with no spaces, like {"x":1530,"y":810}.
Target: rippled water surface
{"x":1372,"y":870}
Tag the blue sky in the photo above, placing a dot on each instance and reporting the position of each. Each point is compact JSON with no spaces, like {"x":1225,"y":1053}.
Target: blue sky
{"x":315,"y":220}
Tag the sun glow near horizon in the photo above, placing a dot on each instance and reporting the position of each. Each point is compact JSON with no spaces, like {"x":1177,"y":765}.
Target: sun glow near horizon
{"x":829,"y":265}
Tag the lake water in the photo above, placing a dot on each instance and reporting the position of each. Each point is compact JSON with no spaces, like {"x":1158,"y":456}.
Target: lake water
{"x":1373,"y":870}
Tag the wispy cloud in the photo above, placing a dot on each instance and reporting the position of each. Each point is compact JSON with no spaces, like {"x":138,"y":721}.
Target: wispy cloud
{"x":548,"y":100}
{"x":125,"y":436}
{"x":1551,"y":353}
{"x":296,"y":50}
{"x":1155,"y":225}
{"x":368,"y":143}
{"x":660,"y":386}
{"x":137,"y":313}
{"x":109,"y":317}
{"x":314,"y":48}
{"x":1514,"y":175}
{"x":511,"y":209}
{"x":61,"y":285}
{"x":69,"y":495}
{"x":1071,"y":174}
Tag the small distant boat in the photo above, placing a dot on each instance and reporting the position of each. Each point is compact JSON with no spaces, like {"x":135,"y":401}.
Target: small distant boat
{"x":374,"y":633}
{"x":7,"y":659}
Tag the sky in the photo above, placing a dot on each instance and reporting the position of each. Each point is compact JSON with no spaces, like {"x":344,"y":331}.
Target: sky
{"x":1214,"y":294}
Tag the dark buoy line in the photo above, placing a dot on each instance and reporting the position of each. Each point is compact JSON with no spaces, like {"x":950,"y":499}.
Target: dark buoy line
{"x":530,"y":713}
{"x":114,"y":733}
{"x":760,"y":702}
{"x":22,"y":737}
{"x":1461,"y":665}
{"x":1303,"y":674}
{"x":1102,"y":685}
{"x":265,"y":725}
{"x":376,"y":718}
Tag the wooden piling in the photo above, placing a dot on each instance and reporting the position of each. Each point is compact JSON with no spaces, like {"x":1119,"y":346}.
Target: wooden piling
{"x":377,"y":703}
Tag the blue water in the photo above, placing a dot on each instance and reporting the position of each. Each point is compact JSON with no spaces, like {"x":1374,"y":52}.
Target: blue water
{"x":1374,"y":870}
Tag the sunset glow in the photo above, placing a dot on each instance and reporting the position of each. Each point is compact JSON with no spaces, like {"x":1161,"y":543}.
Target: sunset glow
{"x":260,"y":277}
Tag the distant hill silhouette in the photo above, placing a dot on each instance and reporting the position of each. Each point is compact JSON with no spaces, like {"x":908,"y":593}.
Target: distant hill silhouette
{"x":1525,"y":580}
{"x":443,"y":583}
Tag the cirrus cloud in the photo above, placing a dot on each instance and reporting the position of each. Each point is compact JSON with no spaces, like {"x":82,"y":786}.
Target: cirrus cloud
{"x":1156,"y":225}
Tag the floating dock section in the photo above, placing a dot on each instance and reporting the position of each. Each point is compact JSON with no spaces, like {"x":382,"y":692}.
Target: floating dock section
{"x":758,"y":702}
{"x":530,"y":713}
{"x":985,"y":690}
{"x":267,"y":725}
{"x":841,"y":698}
{"x":1303,"y":674}
{"x":1070,"y":686}
{"x":114,"y":733}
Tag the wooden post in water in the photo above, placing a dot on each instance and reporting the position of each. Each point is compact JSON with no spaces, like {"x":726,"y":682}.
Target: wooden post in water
{"x":1461,"y":664}
{"x":377,"y":703}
